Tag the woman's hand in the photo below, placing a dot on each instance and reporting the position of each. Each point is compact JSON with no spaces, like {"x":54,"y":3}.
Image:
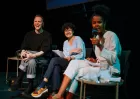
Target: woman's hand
{"x":95,"y":41}
{"x":99,"y":42}
{"x":92,"y":60}
{"x":75,"y":50}
{"x":68,"y":58}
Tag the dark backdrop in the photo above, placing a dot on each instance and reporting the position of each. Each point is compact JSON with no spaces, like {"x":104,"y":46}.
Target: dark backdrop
{"x":18,"y":19}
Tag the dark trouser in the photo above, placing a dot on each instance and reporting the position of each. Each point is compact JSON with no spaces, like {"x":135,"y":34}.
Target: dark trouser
{"x":56,"y":66}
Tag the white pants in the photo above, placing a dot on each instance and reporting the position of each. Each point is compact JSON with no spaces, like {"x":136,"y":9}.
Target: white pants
{"x":80,"y":68}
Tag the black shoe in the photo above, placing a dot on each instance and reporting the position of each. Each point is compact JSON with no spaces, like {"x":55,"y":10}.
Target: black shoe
{"x":15,"y":86}
{"x":27,"y":91}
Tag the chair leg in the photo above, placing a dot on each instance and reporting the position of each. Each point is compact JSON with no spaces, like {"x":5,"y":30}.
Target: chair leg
{"x":81,"y":89}
{"x":7,"y":71}
{"x":84,"y":91}
{"x":117,"y":91}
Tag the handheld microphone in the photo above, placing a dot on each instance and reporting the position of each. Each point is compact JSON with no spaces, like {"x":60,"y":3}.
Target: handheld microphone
{"x":94,"y":32}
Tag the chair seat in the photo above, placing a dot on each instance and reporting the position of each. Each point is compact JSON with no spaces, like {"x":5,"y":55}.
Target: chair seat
{"x":86,"y":82}
{"x":100,"y":84}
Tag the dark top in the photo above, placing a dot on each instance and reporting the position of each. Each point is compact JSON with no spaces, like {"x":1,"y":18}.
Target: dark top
{"x":37,"y":42}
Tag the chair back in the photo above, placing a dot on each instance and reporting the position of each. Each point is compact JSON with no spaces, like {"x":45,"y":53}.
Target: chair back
{"x":54,"y":47}
{"x":88,"y":52}
{"x":124,"y":62}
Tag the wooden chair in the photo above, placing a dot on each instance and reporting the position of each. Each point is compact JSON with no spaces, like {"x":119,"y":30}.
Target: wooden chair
{"x":124,"y":72}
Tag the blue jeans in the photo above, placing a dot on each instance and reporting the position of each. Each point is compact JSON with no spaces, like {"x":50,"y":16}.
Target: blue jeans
{"x":54,"y":70}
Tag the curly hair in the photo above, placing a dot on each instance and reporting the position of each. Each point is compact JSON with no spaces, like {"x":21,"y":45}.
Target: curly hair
{"x":102,"y":11}
{"x":68,"y":25}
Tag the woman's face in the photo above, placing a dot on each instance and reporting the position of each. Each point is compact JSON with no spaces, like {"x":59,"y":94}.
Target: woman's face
{"x":98,"y":23}
{"x":68,"y":32}
{"x":38,"y":23}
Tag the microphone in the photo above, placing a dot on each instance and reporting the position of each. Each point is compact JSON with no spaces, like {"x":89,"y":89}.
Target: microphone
{"x":94,"y":32}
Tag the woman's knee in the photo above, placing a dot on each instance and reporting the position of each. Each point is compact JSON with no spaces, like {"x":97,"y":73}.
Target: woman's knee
{"x":55,"y":60}
{"x":73,"y":65}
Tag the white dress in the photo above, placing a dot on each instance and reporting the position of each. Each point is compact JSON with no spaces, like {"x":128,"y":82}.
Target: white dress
{"x":109,"y":55}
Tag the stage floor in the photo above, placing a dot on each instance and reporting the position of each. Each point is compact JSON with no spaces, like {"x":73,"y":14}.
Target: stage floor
{"x":93,"y":93}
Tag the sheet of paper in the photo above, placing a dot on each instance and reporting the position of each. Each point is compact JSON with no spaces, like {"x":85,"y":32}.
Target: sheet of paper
{"x":93,"y":64}
{"x":59,"y":53}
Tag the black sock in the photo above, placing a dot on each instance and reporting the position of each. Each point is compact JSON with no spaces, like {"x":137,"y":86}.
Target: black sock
{"x":31,"y":81}
{"x":30,"y":86}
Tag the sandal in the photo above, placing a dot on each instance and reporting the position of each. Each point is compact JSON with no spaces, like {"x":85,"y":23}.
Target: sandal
{"x":39,"y":92}
{"x":54,"y":97}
